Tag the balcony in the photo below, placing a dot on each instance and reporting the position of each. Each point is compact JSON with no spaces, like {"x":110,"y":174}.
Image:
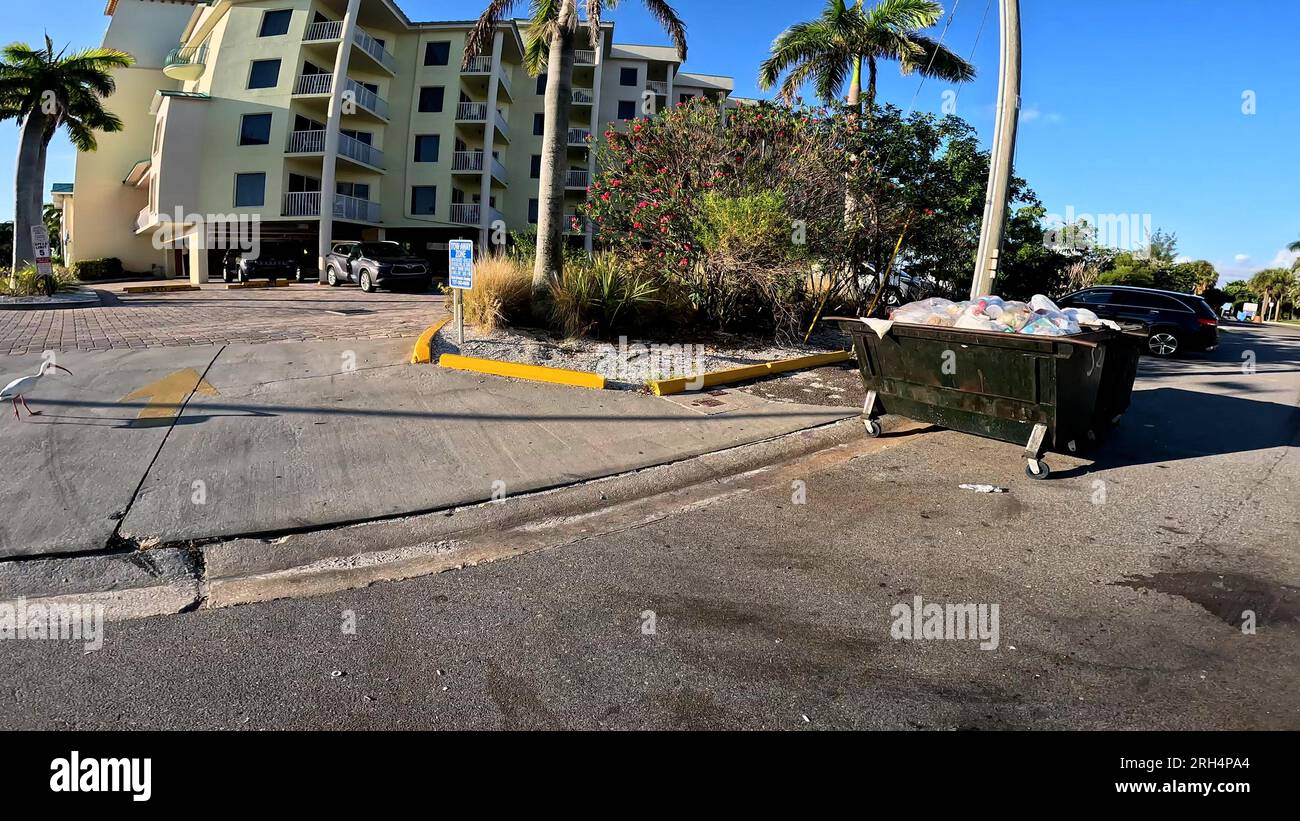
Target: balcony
{"x":307,"y":204}
{"x":659,"y":87}
{"x":579,"y":136}
{"x":311,"y":85}
{"x":584,"y":57}
{"x":350,"y":148}
{"x":331,"y":31}
{"x":473,"y":112}
{"x":577,"y":179}
{"x":471,"y":162}
{"x":477,"y":65}
{"x":574,"y":224}
{"x":583,"y":96}
{"x":186,"y":64}
{"x":468,"y":213}
{"x":362,"y":98}
{"x":145,"y":219}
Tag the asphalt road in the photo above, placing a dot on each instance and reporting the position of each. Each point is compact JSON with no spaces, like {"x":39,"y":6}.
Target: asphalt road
{"x":1121,"y":588}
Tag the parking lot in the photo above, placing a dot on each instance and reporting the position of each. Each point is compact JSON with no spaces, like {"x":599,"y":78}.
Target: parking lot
{"x":215,"y":316}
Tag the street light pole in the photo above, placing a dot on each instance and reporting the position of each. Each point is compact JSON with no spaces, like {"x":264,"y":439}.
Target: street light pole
{"x":994,"y":223}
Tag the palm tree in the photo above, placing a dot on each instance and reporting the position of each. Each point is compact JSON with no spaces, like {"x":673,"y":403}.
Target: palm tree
{"x":1295,"y":246}
{"x":552,"y":31}
{"x":1270,"y":283}
{"x":52,"y":217}
{"x":44,"y":91}
{"x":831,"y":49}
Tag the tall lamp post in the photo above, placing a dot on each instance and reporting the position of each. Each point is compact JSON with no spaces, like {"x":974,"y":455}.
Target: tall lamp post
{"x":994,"y":223}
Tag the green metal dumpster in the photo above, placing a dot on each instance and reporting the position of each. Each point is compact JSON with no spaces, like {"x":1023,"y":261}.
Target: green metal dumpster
{"x":1058,"y":393}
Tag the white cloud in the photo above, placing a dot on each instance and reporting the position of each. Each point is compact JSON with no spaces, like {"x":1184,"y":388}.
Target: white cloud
{"x":1284,"y":259}
{"x":1241,"y":259}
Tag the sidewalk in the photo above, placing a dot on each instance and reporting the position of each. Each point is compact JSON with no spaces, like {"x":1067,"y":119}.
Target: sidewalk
{"x":302,"y":435}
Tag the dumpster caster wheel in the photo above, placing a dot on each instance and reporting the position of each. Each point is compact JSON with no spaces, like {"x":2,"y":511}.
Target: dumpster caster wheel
{"x":873,"y":427}
{"x":1037,"y":469}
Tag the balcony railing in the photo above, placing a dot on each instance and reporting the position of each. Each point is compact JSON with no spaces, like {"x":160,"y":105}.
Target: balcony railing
{"x":577,"y":179}
{"x":307,"y":204}
{"x":324,"y":30}
{"x":333,"y":30}
{"x":574,"y":224}
{"x":314,"y":84}
{"x":467,"y":161}
{"x":579,"y":136}
{"x":499,"y":170}
{"x":583,"y":96}
{"x":659,"y":87}
{"x":375,"y":49}
{"x":584,"y":57}
{"x":186,"y":63}
{"x":478,"y":65}
{"x":368,"y":99}
{"x":465,"y":213}
{"x":144,"y":218}
{"x":306,"y":142}
{"x":474,"y":112}
{"x":354,"y":149}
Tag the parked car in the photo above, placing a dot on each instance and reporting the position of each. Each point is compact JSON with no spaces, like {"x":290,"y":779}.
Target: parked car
{"x":1175,"y":322}
{"x":273,"y":260}
{"x":375,"y":265}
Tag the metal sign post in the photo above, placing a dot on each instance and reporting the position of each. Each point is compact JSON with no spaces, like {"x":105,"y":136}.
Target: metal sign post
{"x":460,"y":276}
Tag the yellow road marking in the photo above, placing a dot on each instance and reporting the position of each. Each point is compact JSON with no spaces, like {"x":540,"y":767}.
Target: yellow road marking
{"x":166,"y":395}
{"x":536,"y":373}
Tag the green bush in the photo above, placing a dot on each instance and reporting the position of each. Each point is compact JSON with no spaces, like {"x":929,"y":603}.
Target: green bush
{"x":600,"y":296}
{"x":97,"y":268}
{"x":29,"y":283}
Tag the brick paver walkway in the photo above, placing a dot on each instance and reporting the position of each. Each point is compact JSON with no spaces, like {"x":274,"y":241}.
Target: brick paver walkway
{"x":215,"y":316}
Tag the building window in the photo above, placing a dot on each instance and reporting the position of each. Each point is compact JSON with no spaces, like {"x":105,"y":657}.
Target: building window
{"x":539,"y":124}
{"x":426,"y":147}
{"x":264,"y":74}
{"x":626,"y":109}
{"x":275,"y":23}
{"x":431,"y":99}
{"x":627,"y":76}
{"x":685,"y":98}
{"x":255,"y":129}
{"x":424,"y":199}
{"x":532,"y":211}
{"x":250,"y":190}
{"x":356,"y":190}
{"x":535,"y":169}
{"x":541,"y":84}
{"x":437,"y":54}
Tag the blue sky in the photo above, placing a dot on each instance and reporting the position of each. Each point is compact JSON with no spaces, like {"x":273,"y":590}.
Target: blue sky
{"x":1129,"y":106}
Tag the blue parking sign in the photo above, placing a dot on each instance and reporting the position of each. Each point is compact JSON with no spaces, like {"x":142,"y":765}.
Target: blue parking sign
{"x":460,"y":263}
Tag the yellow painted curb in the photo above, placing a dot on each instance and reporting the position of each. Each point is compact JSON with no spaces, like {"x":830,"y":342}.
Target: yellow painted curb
{"x":668,"y":387}
{"x":259,"y":283}
{"x":158,"y":289}
{"x":536,"y":373}
{"x":423,"y":353}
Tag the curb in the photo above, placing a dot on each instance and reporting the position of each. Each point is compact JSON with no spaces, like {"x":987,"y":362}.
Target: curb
{"x":127,"y":585}
{"x":159,"y":289}
{"x":263,"y":283}
{"x":80,"y":298}
{"x":423,"y":352}
{"x":534,"y":373}
{"x":668,"y":387}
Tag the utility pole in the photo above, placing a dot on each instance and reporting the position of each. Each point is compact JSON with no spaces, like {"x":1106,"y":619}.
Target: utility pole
{"x":1004,"y":148}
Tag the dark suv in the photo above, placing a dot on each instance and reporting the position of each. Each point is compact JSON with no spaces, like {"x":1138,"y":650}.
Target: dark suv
{"x":274,"y":260}
{"x":1174,"y":322}
{"x":375,"y":264}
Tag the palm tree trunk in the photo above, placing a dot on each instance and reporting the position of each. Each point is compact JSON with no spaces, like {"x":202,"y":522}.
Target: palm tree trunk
{"x":29,"y":177}
{"x":871,"y":85}
{"x":549,"y":261}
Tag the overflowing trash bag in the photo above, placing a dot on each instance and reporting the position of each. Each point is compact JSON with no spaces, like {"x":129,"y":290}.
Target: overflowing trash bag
{"x":1039,"y":316}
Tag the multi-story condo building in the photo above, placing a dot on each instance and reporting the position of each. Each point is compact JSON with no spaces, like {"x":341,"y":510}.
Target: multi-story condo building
{"x":332,"y":120}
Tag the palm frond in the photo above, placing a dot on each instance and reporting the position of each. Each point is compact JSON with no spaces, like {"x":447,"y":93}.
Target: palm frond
{"x":485,"y":28}
{"x":668,"y":18}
